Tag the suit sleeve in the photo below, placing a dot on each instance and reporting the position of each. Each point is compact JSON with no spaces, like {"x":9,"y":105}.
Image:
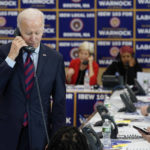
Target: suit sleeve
{"x":59,"y":98}
{"x":5,"y":71}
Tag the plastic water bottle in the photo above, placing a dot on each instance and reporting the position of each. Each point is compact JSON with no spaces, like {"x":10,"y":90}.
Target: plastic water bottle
{"x":106,"y":130}
{"x":107,"y":102}
{"x":145,"y":85}
{"x":86,"y":80}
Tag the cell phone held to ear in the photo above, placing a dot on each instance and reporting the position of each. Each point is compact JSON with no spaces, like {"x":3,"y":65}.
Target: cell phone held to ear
{"x":142,"y":130}
{"x":28,"y":49}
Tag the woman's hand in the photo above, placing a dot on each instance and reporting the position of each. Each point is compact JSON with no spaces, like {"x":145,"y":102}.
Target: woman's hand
{"x":69,"y":74}
{"x":132,"y":62}
{"x":144,"y":110}
{"x":90,"y":59}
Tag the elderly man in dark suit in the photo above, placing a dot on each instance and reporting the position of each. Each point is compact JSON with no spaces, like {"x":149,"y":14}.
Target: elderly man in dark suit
{"x":23,"y":126}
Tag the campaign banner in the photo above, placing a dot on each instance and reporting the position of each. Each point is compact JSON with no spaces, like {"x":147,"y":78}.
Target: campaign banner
{"x":115,"y":4}
{"x":69,"y":108}
{"x":8,"y":4}
{"x":4,"y":41}
{"x":45,"y":4}
{"x":143,"y":53}
{"x":76,"y":4}
{"x":142,"y":4}
{"x":76,"y":24}
{"x":50,"y":43}
{"x":107,"y":51}
{"x":143,"y":24}
{"x":8,"y":22}
{"x":86,"y":104}
{"x":50,"y":25}
{"x":69,"y":49}
{"x":115,"y":24}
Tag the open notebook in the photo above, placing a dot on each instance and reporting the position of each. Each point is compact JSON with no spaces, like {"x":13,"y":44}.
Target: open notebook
{"x":140,"y":145}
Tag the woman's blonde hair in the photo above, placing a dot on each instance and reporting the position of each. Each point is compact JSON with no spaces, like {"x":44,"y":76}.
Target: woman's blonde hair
{"x":89,"y":46}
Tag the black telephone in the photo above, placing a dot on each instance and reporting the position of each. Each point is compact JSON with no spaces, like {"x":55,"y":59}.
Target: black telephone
{"x":101,"y":109}
{"x":131,"y":94}
{"x":28,"y":49}
{"x":140,"y":90}
{"x":129,"y":106}
{"x":92,"y":138}
{"x":114,"y":128}
{"x":85,"y":62}
{"x":104,"y":113}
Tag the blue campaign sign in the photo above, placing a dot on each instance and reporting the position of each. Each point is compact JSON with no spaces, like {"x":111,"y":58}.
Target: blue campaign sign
{"x":76,"y":4}
{"x":69,"y":108}
{"x":108,"y":50}
{"x":142,"y":4}
{"x":50,"y":25}
{"x":8,"y":4}
{"x":142,"y":25}
{"x":69,"y":49}
{"x":4,"y":41}
{"x":114,"y":24}
{"x":85,"y":105}
{"x":143,"y":53}
{"x":115,"y":4}
{"x":50,"y":43}
{"x":48,"y":4}
{"x":8,"y":22}
{"x":76,"y":24}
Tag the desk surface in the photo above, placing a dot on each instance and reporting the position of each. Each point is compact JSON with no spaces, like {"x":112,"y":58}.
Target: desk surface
{"x":81,"y":88}
{"x":129,"y":138}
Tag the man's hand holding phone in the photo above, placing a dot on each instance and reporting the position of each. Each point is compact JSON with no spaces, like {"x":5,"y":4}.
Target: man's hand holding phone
{"x":16,"y":46}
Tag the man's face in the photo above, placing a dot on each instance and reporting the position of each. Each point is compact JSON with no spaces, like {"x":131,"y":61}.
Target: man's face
{"x":32,"y":31}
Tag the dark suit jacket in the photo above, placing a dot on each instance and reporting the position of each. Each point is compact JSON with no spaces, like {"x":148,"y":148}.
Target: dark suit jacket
{"x":51,"y":78}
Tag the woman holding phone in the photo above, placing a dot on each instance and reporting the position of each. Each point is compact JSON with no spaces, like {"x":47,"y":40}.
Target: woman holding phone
{"x":85,"y":62}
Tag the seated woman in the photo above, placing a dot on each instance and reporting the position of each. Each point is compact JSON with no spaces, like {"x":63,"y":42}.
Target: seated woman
{"x":77,"y":68}
{"x":125,"y":65}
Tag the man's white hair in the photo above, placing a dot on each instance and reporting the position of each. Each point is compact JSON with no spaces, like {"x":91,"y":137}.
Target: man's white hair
{"x":29,"y":13}
{"x":89,"y":46}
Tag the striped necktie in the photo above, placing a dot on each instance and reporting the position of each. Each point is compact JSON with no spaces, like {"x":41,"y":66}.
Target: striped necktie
{"x":29,"y":81}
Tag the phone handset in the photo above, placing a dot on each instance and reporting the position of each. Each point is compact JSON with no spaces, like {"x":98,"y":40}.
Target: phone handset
{"x":85,"y":62}
{"x":92,"y":138}
{"x":28,"y":49}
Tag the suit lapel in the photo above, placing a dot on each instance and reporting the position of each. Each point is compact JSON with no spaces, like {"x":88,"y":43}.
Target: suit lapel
{"x":41,"y":60}
{"x":21,"y":71}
